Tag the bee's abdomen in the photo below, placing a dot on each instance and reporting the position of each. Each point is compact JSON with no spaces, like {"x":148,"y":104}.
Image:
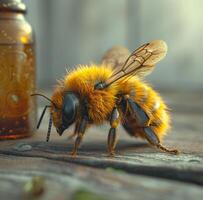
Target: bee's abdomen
{"x":152,"y":104}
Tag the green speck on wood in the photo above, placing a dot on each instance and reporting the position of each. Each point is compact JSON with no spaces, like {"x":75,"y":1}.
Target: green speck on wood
{"x":84,"y":194}
{"x":35,"y":186}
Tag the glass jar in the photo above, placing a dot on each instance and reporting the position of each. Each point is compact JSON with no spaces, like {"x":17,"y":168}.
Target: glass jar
{"x":17,"y":72}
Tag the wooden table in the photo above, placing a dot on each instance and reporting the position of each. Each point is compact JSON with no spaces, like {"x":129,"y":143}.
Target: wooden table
{"x":136,"y":172}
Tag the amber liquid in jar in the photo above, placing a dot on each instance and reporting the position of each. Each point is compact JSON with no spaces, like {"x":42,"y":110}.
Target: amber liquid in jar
{"x":17,"y":77}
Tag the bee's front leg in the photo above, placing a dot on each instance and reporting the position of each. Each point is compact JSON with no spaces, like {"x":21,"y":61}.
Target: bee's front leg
{"x":80,"y":133}
{"x":112,"y":136}
{"x":75,"y":131}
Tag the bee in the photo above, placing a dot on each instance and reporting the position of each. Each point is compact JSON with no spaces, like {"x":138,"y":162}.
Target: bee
{"x":115,"y":92}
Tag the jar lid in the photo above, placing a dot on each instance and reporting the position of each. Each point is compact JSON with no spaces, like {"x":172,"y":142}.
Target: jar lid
{"x":12,"y":5}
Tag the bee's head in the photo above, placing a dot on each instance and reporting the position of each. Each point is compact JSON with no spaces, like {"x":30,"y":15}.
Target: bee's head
{"x":69,"y":111}
{"x":62,"y":115}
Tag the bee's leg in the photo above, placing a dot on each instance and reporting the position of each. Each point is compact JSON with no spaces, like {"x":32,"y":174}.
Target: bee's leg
{"x":112,"y":136}
{"x":75,"y":131}
{"x":80,"y":133}
{"x":141,"y":116}
{"x":144,"y":122}
{"x":154,"y":140}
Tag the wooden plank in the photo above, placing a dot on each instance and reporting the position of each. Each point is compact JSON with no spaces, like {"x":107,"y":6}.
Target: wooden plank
{"x":184,"y":167}
{"x":133,"y":156}
{"x":69,"y":179}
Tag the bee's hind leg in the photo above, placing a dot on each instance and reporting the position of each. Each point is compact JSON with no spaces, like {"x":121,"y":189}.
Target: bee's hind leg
{"x":112,"y":136}
{"x":144,"y":123}
{"x":143,"y":120}
{"x":153,"y":140}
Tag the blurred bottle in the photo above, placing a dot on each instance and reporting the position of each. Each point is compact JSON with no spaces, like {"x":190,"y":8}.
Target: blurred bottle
{"x":17,"y":72}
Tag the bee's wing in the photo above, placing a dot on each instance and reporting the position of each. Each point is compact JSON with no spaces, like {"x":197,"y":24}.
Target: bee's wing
{"x":115,"y":57}
{"x":140,"y":62}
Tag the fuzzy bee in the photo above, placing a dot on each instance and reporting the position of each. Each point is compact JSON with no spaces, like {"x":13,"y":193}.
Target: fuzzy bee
{"x":114,"y":92}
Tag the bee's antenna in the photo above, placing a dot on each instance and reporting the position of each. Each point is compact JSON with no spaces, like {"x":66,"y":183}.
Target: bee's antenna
{"x":49,"y":128}
{"x":37,"y":94}
{"x":42,"y":115}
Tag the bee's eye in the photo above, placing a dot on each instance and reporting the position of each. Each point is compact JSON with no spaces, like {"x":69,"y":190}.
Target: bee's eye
{"x":99,"y":86}
{"x":69,"y":109}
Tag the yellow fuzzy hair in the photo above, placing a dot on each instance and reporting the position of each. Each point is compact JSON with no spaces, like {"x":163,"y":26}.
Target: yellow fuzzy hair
{"x":82,"y":81}
{"x":101,"y":102}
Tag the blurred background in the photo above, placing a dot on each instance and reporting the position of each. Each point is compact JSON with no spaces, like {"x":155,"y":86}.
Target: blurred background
{"x":72,"y":32}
